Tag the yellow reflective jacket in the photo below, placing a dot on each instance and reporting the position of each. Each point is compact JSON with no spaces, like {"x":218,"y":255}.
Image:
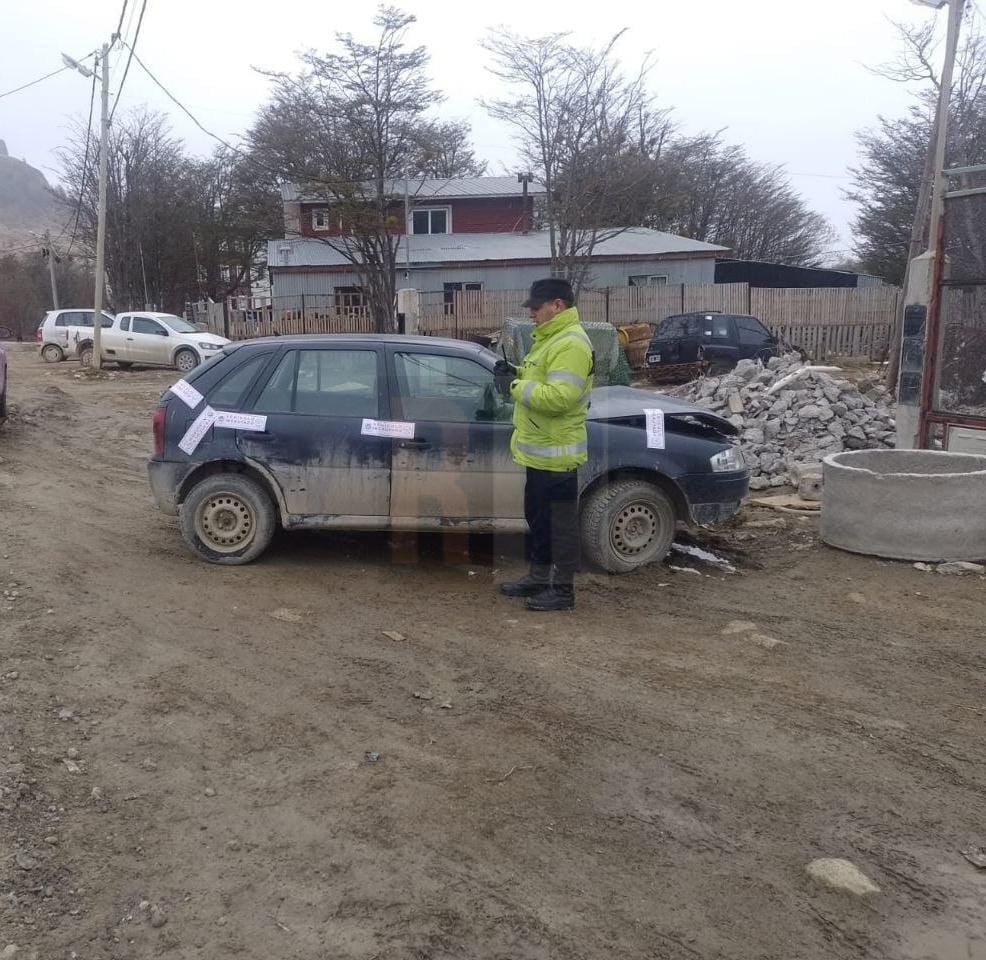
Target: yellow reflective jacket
{"x":551,"y":396}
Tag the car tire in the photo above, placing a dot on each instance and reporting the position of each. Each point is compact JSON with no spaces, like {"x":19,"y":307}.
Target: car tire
{"x":85,"y":355}
{"x":227,"y":518}
{"x":3,"y":405}
{"x":186,"y":360}
{"x":627,"y":524}
{"x":51,"y":353}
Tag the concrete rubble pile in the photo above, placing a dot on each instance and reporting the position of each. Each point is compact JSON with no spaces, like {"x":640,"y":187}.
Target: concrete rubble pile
{"x":790,"y":414}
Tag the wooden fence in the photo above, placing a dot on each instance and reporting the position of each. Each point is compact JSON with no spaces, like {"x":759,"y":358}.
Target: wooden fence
{"x":824,"y":322}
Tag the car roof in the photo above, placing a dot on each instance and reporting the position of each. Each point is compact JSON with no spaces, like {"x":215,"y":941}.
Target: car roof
{"x":364,"y":338}
{"x":709,"y":313}
{"x":146,"y":313}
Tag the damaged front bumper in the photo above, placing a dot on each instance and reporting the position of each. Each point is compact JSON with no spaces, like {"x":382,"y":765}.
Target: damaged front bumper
{"x":714,"y":498}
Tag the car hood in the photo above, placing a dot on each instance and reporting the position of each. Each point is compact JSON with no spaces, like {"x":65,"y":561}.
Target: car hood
{"x":623,"y":403}
{"x":205,"y":338}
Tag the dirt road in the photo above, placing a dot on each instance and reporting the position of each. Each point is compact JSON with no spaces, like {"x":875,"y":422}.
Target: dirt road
{"x":184,"y":748}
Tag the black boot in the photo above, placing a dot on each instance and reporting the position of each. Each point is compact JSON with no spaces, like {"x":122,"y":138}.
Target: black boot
{"x":560,"y":596}
{"x":535,"y":582}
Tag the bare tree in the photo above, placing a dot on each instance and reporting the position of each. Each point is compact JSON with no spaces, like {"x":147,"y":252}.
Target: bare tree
{"x":579,"y":122}
{"x":346,"y":129}
{"x":709,"y":190}
{"x":443,"y":150}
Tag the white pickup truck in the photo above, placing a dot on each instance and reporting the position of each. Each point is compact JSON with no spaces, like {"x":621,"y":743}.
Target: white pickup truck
{"x":158,"y":339}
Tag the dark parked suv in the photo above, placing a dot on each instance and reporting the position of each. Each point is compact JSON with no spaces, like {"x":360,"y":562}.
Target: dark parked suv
{"x":718,"y":339}
{"x":359,"y":432}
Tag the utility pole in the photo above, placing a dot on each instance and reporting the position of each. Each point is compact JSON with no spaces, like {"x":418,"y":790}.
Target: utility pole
{"x":50,"y":257}
{"x":104,"y":75}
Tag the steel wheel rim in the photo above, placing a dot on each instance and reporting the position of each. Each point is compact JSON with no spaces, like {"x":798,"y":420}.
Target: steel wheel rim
{"x":51,"y":354}
{"x":185,"y":362}
{"x":634,"y":529}
{"x":225,"y":522}
{"x":85,"y":358}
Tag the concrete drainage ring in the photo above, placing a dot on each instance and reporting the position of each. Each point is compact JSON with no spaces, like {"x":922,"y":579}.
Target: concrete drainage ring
{"x":905,"y":504}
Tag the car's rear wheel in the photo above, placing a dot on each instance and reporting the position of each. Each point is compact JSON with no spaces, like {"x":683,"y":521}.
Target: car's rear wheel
{"x":627,"y":524}
{"x":186,"y":361}
{"x":228,"y":518}
{"x":51,"y":353}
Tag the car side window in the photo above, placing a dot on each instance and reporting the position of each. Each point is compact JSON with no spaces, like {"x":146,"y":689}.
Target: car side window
{"x":751,"y":330}
{"x":62,"y":320}
{"x":231,"y":389}
{"x":327,"y":383}
{"x":147,"y":325}
{"x":693,"y":327}
{"x":717,"y":328}
{"x":125,"y":324}
{"x":447,"y":389}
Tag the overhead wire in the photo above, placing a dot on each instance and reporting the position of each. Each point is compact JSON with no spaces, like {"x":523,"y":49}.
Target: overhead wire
{"x":123,"y":13}
{"x":33,"y":82}
{"x":85,"y":169}
{"x":130,"y":46}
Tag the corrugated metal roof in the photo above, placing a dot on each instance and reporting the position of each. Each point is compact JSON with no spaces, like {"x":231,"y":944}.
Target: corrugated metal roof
{"x":432,"y":189}
{"x":477,"y":247}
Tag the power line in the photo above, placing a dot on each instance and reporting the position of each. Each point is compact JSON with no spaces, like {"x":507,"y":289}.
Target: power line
{"x":33,"y":82}
{"x":130,"y":46}
{"x":85,"y":169}
{"x":123,"y":13}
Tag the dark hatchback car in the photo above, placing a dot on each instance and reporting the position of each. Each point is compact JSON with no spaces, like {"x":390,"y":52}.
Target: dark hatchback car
{"x":718,"y":339}
{"x":362,"y":432}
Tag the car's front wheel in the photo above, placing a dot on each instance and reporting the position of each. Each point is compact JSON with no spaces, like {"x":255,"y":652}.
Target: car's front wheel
{"x":627,"y":524}
{"x":186,"y":361}
{"x":228,"y":518}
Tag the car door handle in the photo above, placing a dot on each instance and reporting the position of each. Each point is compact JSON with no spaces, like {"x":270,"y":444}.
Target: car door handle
{"x":260,"y":436}
{"x":415,"y":444}
{"x":130,"y":339}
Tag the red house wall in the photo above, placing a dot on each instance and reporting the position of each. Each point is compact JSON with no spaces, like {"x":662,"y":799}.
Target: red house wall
{"x":473,"y":215}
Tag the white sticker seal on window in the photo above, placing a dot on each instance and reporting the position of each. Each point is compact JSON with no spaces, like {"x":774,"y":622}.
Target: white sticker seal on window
{"x":186,"y":393}
{"x":655,"y":429}
{"x":395,"y":429}
{"x":240,"y":421}
{"x":199,"y":428}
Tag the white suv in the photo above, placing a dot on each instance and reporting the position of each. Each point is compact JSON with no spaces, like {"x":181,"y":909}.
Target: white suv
{"x":158,"y":339}
{"x":67,"y":334}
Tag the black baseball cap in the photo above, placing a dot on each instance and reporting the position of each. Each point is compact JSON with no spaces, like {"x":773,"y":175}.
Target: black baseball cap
{"x":548,"y":289}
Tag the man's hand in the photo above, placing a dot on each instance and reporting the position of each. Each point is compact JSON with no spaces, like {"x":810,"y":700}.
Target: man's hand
{"x":504,"y":374}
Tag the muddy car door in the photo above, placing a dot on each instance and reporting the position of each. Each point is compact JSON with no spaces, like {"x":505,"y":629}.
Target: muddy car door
{"x":315,"y":402}
{"x":458,"y":464}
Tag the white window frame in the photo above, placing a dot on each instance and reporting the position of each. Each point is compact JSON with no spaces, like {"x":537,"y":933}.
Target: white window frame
{"x":323,"y":214}
{"x":650,"y":280}
{"x":429,"y":211}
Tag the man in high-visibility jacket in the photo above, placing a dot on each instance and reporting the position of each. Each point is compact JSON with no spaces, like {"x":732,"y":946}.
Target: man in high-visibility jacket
{"x":550,"y":391}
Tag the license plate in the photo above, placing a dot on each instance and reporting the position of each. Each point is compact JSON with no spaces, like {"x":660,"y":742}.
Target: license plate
{"x":653,"y":358}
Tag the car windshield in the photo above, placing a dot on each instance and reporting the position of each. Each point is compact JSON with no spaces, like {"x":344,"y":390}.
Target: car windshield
{"x":178,"y":324}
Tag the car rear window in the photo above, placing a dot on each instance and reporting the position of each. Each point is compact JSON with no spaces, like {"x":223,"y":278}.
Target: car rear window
{"x":232,"y":388}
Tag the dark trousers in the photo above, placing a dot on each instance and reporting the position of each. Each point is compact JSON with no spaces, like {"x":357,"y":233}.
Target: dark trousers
{"x":551,"y":506}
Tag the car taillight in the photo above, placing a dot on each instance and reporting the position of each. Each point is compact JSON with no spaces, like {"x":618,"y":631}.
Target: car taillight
{"x":157,"y":424}
{"x":38,"y":334}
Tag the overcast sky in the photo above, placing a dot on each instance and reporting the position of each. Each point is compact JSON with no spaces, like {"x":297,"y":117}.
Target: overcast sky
{"x":784,"y":77}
